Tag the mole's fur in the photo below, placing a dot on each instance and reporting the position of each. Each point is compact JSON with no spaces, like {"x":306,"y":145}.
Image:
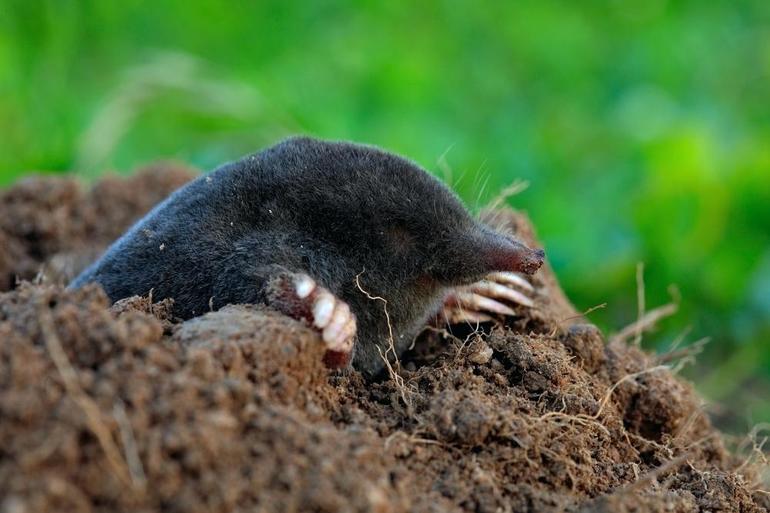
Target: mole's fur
{"x":332,"y":210}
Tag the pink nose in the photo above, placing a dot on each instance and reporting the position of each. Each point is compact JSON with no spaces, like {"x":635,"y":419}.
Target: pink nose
{"x":510,"y":255}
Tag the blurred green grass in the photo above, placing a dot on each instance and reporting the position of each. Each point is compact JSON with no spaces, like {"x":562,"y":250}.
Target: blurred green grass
{"x":642,"y":126}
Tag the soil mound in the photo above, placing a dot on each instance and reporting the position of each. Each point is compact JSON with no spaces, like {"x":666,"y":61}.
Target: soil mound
{"x":123,"y":408}
{"x":57,"y":227}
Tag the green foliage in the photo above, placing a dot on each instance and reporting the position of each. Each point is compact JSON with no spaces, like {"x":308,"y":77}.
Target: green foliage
{"x":643,"y":126}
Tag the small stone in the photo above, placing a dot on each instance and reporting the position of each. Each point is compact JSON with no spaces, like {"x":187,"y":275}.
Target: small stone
{"x":482,"y":355}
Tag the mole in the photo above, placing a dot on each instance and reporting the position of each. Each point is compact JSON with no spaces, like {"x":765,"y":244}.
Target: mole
{"x":319,"y":231}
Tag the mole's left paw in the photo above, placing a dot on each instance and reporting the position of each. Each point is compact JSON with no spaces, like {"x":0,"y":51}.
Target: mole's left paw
{"x":300,"y":297}
{"x":482,"y":301}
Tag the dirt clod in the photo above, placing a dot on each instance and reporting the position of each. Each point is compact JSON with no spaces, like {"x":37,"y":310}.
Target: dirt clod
{"x":125,"y":408}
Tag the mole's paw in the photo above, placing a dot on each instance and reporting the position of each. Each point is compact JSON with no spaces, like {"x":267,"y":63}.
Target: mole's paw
{"x":299,"y":296}
{"x":482,"y":301}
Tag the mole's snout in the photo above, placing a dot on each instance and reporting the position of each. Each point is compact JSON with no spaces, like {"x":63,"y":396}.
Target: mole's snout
{"x":523,"y":259}
{"x":533,"y":261}
{"x":511,"y":255}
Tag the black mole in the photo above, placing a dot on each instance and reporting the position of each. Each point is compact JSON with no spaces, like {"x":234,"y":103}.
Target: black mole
{"x":293,"y":227}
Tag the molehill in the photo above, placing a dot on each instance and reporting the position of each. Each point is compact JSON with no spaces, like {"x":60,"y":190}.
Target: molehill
{"x":123,"y":408}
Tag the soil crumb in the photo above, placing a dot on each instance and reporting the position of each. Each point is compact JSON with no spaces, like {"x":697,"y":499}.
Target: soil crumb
{"x":124,"y":408}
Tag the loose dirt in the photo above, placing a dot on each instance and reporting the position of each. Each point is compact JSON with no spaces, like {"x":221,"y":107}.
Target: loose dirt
{"x":123,"y":408}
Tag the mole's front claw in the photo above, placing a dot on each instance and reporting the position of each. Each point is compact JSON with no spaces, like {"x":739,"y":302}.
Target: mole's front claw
{"x":335,"y":320}
{"x":514,"y":279}
{"x":500,"y":291}
{"x":484,"y":300}
{"x":471,"y":300}
{"x":454,"y":313}
{"x":301,"y":297}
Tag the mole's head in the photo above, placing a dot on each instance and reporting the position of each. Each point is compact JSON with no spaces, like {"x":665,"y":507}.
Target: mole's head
{"x":348,"y":210}
{"x":386,"y":215}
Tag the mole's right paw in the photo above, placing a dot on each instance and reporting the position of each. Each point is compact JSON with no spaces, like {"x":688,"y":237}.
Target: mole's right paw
{"x":497,"y":295}
{"x":299,"y":296}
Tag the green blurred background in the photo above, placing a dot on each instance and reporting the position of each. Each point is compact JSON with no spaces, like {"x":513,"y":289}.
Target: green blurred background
{"x":642,"y":126}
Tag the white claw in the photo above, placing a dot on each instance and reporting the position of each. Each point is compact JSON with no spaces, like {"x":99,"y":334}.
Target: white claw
{"x":333,"y":331}
{"x":512,"y":279}
{"x":323,"y":309}
{"x":479,"y":302}
{"x":347,"y":334}
{"x":304,"y":285}
{"x":457,"y":316}
{"x":492,"y":289}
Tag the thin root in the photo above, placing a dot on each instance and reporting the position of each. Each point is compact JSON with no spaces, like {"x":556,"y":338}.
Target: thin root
{"x":583,"y":419}
{"x":646,"y":322}
{"x":397,"y":379}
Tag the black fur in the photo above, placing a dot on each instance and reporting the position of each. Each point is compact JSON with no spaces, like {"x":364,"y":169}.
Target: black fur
{"x":331,"y":210}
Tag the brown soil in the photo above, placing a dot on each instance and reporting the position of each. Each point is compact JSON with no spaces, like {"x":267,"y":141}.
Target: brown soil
{"x":124,"y":409}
